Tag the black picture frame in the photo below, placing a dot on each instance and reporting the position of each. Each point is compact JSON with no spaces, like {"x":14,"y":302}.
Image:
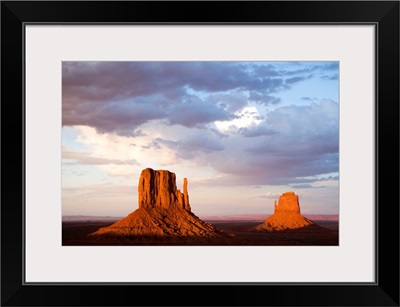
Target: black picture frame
{"x":383,"y":14}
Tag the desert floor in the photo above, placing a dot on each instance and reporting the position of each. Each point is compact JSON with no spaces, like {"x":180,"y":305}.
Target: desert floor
{"x":74,"y":233}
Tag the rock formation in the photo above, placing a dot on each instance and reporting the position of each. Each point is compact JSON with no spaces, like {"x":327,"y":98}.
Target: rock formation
{"x":164,"y":216}
{"x":157,"y":189}
{"x":286,"y":215}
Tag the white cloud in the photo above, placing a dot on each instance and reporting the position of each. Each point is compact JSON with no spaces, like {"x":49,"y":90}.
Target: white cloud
{"x":246,"y":117}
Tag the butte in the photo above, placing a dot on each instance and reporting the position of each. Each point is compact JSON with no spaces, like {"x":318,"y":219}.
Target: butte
{"x":164,"y":217}
{"x":286,"y":215}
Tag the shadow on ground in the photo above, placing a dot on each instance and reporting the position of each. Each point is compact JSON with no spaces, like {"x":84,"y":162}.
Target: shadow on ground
{"x":236,"y":233}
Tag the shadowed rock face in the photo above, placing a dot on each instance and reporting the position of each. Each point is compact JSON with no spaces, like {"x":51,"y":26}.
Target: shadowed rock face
{"x":286,"y":215}
{"x":164,"y":215}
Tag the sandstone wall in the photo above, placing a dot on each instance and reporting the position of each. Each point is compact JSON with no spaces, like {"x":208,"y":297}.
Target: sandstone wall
{"x":157,"y":189}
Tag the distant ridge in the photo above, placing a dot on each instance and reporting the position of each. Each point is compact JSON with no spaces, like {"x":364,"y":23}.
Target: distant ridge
{"x":262,"y":217}
{"x":91,"y":218}
{"x":323,"y":217}
{"x":236,"y":217}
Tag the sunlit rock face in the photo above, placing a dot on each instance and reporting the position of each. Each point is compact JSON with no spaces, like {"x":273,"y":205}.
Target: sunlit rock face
{"x":288,"y":203}
{"x":164,"y":214}
{"x":157,"y":189}
{"x":286,"y":215}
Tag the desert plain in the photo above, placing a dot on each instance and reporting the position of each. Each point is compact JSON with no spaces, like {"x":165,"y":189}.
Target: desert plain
{"x":75,"y":233}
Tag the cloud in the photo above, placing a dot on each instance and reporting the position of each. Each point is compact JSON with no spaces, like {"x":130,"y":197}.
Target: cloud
{"x":121,"y":117}
{"x":270,"y":195}
{"x":86,"y":158}
{"x":330,"y":77}
{"x":294,"y":80}
{"x":244,"y":118}
{"x":304,"y":186}
{"x":231,"y":101}
{"x":99,"y":199}
{"x":122,"y":80}
{"x":205,"y":112}
{"x":99,"y":190}
{"x":307,"y":68}
{"x":291,"y":145}
{"x":194,"y":112}
{"x":263,"y":98}
{"x":191,"y":145}
{"x":260,"y":130}
{"x":305,"y":144}
{"x":110,"y":154}
{"x":309,"y":99}
{"x":119,"y":97}
{"x":265,"y":71}
{"x":331,"y":66}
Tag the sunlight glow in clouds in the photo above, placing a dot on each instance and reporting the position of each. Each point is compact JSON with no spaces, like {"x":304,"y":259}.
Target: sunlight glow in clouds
{"x":246,"y":117}
{"x":241,"y":132}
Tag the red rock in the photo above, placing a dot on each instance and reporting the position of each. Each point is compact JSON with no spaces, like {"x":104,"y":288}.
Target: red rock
{"x":164,"y":215}
{"x":157,"y":189}
{"x":186,"y":195}
{"x":288,"y":202}
{"x":286,"y":215}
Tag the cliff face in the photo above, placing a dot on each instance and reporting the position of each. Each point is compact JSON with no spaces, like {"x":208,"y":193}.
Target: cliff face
{"x":157,"y":189}
{"x":286,"y":215}
{"x":288,"y":203}
{"x":164,"y":216}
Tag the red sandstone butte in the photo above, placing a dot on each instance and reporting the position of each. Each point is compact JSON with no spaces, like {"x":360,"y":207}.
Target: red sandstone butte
{"x":286,"y":215}
{"x":164,"y":212}
{"x":157,"y":189}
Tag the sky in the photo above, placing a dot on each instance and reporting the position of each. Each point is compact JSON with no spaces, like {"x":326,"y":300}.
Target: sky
{"x":242,"y":133}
